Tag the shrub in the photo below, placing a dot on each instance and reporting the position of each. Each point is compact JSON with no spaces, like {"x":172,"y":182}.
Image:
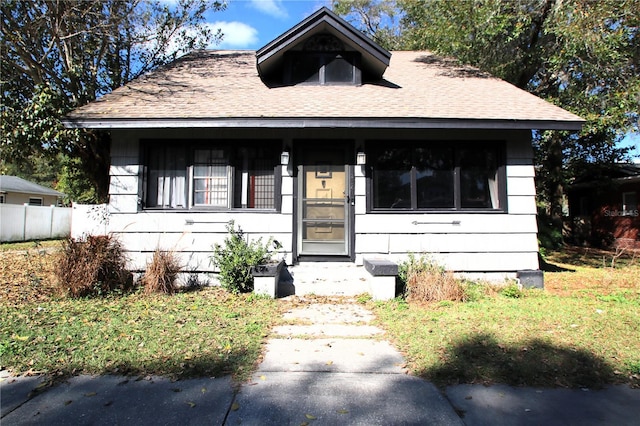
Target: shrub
{"x":236,"y":256}
{"x":426,"y":281}
{"x":474,"y":291}
{"x":92,"y":266}
{"x":512,"y":291}
{"x":161,"y":273}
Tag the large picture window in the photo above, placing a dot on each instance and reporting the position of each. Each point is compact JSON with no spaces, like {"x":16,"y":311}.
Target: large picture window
{"x":447,"y":176}
{"x":184,"y":175}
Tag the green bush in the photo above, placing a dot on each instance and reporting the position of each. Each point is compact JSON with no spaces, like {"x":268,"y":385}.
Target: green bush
{"x":236,"y":256}
{"x":512,"y":290}
{"x":92,"y":266}
{"x":474,"y":291}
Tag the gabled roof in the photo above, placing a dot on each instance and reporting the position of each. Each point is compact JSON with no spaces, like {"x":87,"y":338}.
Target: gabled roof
{"x":375,"y":59}
{"x":223,"y":89}
{"x":16,"y":184}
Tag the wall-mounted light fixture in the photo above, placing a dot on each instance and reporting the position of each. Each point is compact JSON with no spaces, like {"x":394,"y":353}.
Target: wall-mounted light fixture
{"x":361,"y":158}
{"x":284,"y":158}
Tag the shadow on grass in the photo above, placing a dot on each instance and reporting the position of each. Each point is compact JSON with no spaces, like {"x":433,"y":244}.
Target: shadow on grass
{"x":482,"y":359}
{"x":550,"y":267}
{"x":235,"y":363}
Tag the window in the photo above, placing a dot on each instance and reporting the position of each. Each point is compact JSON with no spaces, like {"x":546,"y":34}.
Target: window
{"x":323,"y":68}
{"x":184,"y":175}
{"x":629,"y":203}
{"x":323,"y":61}
{"x":2,"y":199}
{"x":414,"y":176}
{"x":35,"y":201}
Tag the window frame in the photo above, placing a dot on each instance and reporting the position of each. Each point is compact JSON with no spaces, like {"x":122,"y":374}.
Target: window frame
{"x":324,"y":56}
{"x":36,"y":201}
{"x":232,"y":149}
{"x":499,"y":147}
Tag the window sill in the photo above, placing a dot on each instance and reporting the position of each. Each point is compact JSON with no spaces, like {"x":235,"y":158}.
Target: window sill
{"x":469,"y":211}
{"x":207,"y":210}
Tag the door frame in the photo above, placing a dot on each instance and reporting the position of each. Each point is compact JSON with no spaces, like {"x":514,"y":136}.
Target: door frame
{"x":347,"y":146}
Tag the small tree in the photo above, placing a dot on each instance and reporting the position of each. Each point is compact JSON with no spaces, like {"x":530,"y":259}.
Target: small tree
{"x":236,"y":256}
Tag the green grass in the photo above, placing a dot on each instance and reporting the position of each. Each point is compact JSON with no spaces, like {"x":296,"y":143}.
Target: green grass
{"x":195,"y":334}
{"x":583,"y":330}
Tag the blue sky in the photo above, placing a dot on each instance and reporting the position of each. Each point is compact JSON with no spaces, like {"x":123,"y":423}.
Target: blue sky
{"x":250,"y":24}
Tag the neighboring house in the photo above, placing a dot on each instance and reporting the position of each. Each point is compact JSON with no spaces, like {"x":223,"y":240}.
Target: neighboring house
{"x":332,"y":145}
{"x":15,"y":190}
{"x":604,"y":211}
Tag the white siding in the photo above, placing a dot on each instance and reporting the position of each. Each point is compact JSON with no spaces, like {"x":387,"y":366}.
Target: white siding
{"x":480,"y":242}
{"x":496,"y":242}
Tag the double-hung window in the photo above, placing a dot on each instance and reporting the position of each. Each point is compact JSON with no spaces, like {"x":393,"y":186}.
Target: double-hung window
{"x":416,"y":176}
{"x":217,"y":175}
{"x":211,"y":178}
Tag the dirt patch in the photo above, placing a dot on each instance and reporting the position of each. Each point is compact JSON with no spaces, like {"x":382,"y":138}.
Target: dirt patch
{"x":27,"y":276}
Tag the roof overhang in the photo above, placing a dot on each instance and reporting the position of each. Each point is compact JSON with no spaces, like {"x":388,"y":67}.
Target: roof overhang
{"x":310,"y":122}
{"x":375,"y":59}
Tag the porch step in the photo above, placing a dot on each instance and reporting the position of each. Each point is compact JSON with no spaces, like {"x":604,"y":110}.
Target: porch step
{"x":325,"y":279}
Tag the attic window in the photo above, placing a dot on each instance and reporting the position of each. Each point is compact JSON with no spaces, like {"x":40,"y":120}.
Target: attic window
{"x":322,"y":61}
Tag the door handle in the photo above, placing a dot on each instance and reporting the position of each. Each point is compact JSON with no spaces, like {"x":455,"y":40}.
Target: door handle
{"x":349,"y":200}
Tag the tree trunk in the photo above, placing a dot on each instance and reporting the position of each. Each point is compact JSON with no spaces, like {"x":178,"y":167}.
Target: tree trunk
{"x":555,"y":185}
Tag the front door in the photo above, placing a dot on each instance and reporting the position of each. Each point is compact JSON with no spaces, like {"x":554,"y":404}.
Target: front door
{"x":323,"y":200}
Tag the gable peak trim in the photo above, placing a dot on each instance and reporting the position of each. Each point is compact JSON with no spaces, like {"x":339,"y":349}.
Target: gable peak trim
{"x":375,"y":58}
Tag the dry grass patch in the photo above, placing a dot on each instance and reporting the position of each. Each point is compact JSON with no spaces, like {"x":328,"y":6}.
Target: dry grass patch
{"x":28,"y":273}
{"x":161,"y":273}
{"x":426,"y":281}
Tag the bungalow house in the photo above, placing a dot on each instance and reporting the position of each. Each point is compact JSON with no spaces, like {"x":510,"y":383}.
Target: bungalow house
{"x":332,"y":145}
{"x":15,"y":190}
{"x":604,"y":210}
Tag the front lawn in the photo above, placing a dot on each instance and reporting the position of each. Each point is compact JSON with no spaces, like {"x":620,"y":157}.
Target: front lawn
{"x":583,"y":330}
{"x":207,"y":332}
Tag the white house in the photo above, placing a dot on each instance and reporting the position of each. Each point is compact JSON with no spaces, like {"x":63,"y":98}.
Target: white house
{"x":332,"y":145}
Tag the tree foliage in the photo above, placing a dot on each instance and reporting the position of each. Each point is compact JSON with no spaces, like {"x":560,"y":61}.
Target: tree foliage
{"x":59,"y":55}
{"x":581,"y":55}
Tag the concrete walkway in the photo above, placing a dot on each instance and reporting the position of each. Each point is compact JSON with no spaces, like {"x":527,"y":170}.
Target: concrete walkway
{"x":327,"y":366}
{"x":331,"y":367}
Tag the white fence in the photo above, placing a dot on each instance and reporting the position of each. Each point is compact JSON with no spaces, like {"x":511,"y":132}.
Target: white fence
{"x":89,"y":219}
{"x":23,"y":222}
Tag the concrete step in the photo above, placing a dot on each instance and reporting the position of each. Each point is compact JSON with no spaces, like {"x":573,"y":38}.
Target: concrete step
{"x":326,"y":279}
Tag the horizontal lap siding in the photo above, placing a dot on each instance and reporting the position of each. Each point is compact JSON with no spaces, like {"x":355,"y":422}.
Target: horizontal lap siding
{"x":478,"y":242}
{"x":144,"y":232}
{"x":191,"y":234}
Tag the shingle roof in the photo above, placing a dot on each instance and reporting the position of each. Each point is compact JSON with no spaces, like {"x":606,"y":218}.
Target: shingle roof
{"x":16,"y":184}
{"x":215,"y":86}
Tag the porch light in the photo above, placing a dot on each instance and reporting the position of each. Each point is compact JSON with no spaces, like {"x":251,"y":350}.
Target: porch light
{"x":361,"y":159}
{"x":284,"y":158}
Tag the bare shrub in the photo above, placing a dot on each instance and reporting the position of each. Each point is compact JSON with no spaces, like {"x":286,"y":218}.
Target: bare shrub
{"x":161,"y":273}
{"x":426,"y":281}
{"x":92,"y":266}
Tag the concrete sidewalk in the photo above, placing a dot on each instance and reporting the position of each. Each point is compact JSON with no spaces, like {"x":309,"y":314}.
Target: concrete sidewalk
{"x":328,"y":366}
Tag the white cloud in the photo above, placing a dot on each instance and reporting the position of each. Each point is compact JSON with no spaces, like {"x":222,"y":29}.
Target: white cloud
{"x":273,"y":8}
{"x":234,"y":34}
